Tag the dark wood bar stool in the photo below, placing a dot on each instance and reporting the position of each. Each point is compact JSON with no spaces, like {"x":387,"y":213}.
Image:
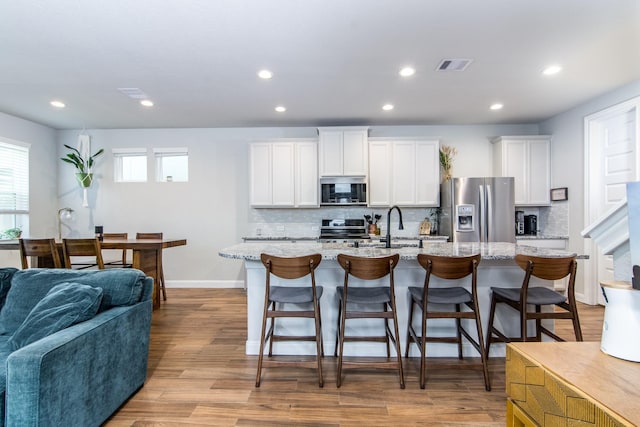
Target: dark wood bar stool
{"x":82,"y":248}
{"x":157,"y":236}
{"x":427,"y":299}
{"x":520,"y":299}
{"x":41,"y":248}
{"x":371,"y":297}
{"x":122,"y":262}
{"x":275,"y":299}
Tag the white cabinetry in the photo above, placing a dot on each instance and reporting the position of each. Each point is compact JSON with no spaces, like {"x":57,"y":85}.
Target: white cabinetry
{"x":283,"y":174}
{"x":526,"y":158}
{"x":343,"y":151}
{"x":404,"y":173}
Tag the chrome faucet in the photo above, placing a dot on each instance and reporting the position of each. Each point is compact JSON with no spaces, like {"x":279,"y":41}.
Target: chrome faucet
{"x":400,"y":226}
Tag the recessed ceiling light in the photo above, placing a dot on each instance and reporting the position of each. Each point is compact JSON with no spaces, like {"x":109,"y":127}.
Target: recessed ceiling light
{"x":387,"y":107}
{"x":280,"y":109}
{"x":407,"y":71}
{"x":496,"y":106}
{"x":57,"y":104}
{"x":146,"y":103}
{"x":551,"y":70}
{"x":265,"y":74}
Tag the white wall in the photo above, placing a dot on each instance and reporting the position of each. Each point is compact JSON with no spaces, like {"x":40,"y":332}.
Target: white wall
{"x":567,"y":159}
{"x":43,"y":171}
{"x":212,"y":210}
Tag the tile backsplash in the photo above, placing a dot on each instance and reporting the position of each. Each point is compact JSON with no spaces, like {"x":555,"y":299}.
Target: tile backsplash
{"x":552,"y":220}
{"x":306,"y":222}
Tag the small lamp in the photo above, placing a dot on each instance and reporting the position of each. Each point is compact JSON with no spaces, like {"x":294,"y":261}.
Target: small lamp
{"x":66,"y":214}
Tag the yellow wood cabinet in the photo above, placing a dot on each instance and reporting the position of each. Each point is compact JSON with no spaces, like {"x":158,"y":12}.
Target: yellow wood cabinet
{"x":570,"y":384}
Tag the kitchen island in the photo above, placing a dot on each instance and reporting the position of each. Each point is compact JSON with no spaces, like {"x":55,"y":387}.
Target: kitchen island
{"x":497,"y":268}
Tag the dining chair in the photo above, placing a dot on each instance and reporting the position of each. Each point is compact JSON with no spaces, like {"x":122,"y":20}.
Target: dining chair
{"x":158,"y":236}
{"x":368,"y":300}
{"x":529,"y":300}
{"x":44,"y":249}
{"x":84,"y":248}
{"x":122,"y":262}
{"x":443,"y":302}
{"x":278,"y":296}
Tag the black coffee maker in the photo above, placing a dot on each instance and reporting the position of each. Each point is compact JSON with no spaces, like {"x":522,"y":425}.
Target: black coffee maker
{"x":531,"y":224}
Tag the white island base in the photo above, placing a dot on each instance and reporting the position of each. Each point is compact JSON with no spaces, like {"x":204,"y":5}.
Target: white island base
{"x":503,"y":273}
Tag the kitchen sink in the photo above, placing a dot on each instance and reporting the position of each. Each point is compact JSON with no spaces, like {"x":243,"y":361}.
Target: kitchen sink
{"x":394,"y":245}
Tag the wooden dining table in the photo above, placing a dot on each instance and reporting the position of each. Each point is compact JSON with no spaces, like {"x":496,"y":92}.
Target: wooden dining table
{"x":147,"y":256}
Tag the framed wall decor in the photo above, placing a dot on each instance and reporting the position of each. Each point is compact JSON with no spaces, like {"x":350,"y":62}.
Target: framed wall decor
{"x":559,"y":194}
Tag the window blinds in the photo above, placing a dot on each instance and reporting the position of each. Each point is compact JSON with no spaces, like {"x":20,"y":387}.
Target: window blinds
{"x":14,"y":179}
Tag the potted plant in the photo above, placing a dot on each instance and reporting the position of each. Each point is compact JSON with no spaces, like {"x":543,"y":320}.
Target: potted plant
{"x":447,"y":153}
{"x":83,"y":166}
{"x":11,"y":233}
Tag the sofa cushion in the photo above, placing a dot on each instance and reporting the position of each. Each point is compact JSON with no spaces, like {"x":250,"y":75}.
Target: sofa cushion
{"x":121,"y":287}
{"x":64,"y":305}
{"x":6,"y":274}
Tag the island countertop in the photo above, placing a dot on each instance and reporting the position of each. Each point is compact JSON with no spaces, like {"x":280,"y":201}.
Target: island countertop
{"x":408,"y":250}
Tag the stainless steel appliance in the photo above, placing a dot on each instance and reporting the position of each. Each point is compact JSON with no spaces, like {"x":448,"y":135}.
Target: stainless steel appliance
{"x":478,"y":209}
{"x":530,"y":224}
{"x":340,"y":191}
{"x":339,"y":230}
{"x":519,"y":223}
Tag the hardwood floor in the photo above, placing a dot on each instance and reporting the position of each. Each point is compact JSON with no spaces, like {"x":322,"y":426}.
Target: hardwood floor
{"x":199,"y":376}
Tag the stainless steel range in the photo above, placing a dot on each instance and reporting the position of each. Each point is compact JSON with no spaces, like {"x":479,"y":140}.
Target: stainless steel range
{"x":334,"y":230}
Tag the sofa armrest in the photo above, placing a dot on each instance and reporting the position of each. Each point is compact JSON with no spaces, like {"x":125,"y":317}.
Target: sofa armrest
{"x":82,"y":374}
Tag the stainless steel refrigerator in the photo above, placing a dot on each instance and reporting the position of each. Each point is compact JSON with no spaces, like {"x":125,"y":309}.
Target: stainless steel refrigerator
{"x":478,"y":209}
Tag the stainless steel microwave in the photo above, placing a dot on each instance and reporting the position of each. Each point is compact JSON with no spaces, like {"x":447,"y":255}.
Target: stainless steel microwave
{"x":343,"y":191}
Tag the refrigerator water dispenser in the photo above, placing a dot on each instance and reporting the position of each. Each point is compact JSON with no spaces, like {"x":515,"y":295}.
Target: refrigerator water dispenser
{"x":465,"y":218}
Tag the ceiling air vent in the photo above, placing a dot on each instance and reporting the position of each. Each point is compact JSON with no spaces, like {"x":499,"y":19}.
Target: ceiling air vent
{"x":459,"y":64}
{"x":133,"y":92}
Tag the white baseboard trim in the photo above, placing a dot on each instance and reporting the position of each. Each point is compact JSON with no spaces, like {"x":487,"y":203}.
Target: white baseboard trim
{"x":206,"y":284}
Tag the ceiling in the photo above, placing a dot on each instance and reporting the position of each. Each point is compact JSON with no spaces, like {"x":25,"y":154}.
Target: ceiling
{"x":335,"y":62}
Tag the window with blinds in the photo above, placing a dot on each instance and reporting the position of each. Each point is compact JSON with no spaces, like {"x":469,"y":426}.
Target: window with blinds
{"x":172,"y":164}
{"x":14,"y":185}
{"x":129,"y":164}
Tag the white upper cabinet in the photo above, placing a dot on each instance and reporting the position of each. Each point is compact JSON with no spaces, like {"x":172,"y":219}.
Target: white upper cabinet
{"x":526,"y":158}
{"x":380,"y":173}
{"x":404,"y":173}
{"x":283,"y":174}
{"x":343,"y":151}
{"x":306,"y":170}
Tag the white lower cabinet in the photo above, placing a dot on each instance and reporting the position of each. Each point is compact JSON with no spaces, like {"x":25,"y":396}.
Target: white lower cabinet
{"x":283,"y":174}
{"x":404,"y":173}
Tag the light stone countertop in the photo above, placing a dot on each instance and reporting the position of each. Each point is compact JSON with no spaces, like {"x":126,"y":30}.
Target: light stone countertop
{"x":408,"y":250}
{"x":541,"y":237}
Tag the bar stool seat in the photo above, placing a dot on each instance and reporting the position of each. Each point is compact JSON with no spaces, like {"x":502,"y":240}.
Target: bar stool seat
{"x":294,"y":295}
{"x":456,"y":295}
{"x":277,"y":296}
{"x":535,"y":296}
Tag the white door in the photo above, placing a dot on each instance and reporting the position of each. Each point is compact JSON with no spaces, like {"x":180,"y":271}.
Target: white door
{"x":613,"y":161}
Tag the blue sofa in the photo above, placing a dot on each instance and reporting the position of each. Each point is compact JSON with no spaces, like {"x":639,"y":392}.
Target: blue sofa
{"x":73,"y":344}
